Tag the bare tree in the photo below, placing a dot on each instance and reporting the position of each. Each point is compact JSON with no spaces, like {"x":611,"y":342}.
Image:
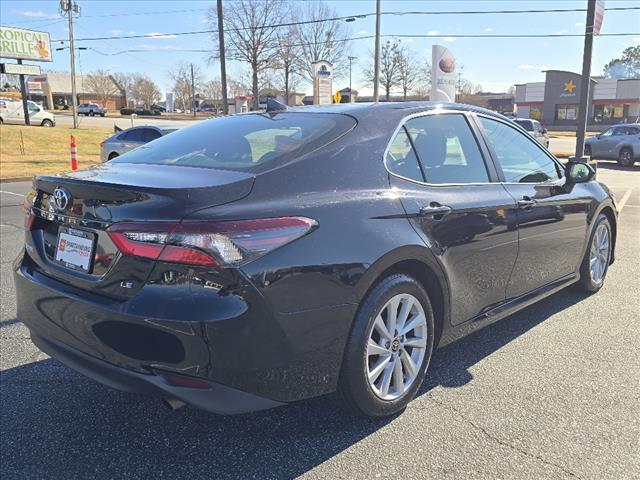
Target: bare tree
{"x":249,"y":35}
{"x":146,"y":91}
{"x":101,"y":85}
{"x":409,"y":71}
{"x":236,"y":88}
{"x":288,"y":61}
{"x":126,"y":81}
{"x":322,"y":40}
{"x":182,"y":91}
{"x":389,"y":68}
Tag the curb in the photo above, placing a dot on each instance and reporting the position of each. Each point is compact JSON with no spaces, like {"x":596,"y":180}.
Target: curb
{"x":16,"y":179}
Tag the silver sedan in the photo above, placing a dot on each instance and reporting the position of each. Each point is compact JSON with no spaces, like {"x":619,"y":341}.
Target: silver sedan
{"x":131,"y":138}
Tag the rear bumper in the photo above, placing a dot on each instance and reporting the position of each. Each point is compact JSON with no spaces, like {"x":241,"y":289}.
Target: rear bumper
{"x":218,"y":398}
{"x":228,"y":337}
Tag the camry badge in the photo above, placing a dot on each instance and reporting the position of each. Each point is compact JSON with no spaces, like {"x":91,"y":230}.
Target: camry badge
{"x":61,"y":199}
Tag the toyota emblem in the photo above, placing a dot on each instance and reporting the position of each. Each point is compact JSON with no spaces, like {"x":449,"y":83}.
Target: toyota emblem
{"x":61,"y":199}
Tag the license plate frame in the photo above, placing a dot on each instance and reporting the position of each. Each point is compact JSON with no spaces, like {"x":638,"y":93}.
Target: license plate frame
{"x":73,"y":259}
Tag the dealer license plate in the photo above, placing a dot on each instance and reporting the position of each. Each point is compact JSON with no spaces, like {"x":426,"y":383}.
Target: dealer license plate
{"x":75,"y":248}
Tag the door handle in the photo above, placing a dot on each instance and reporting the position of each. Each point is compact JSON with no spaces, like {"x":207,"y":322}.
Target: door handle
{"x":435,"y":210}
{"x":526,"y":202}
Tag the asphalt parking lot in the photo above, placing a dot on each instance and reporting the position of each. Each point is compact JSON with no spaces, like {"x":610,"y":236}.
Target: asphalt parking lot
{"x":552,"y":392}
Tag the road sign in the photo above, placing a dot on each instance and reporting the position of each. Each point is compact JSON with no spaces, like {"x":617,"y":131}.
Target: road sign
{"x":599,"y":16}
{"x":337,"y":97}
{"x":18,"y":69}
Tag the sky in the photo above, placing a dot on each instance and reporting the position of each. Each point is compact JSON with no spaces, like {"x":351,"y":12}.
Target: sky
{"x":494,"y":63}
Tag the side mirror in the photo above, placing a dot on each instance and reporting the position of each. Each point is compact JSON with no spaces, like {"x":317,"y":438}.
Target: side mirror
{"x":577,"y":172}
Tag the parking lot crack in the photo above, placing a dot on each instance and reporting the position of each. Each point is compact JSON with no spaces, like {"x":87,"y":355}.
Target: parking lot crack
{"x":499,"y":441}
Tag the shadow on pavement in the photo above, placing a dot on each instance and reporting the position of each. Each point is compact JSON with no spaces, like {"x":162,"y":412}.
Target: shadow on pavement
{"x":613,"y":165}
{"x":57,"y":424}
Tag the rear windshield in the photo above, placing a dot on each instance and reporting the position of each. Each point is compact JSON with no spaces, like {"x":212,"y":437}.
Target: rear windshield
{"x":243,"y":142}
{"x":526,"y":124}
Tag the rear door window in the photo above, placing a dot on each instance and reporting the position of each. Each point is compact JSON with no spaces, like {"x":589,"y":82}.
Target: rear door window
{"x":447,"y":149}
{"x":135,"y":135}
{"x":252,"y":142}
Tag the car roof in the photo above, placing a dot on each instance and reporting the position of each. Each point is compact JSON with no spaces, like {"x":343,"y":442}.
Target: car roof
{"x":359,"y":110}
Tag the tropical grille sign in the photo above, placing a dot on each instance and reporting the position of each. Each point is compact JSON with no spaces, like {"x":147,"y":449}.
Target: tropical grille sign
{"x":25,"y":44}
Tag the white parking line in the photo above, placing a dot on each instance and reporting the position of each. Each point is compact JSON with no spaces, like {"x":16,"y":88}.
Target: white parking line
{"x":11,"y":193}
{"x":624,"y":199}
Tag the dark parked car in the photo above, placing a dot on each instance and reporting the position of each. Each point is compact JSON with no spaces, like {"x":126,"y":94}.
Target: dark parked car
{"x":253,"y":260}
{"x":621,"y":143}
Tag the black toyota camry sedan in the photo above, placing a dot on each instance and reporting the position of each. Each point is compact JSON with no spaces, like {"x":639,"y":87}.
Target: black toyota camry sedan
{"x":258,"y":259}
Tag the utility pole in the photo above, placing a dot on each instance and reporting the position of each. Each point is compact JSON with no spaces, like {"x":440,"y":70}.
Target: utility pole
{"x":223,"y":64}
{"x":376,"y":62}
{"x":70,"y":7}
{"x":193,"y":93}
{"x":585,"y":83}
{"x":350,"y":89}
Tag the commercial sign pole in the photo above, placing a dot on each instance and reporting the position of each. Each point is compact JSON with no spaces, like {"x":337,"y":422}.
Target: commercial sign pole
{"x":23,"y":94}
{"x":322,"y":83}
{"x":23,"y":45}
{"x":443,"y":75}
{"x":595,"y":10}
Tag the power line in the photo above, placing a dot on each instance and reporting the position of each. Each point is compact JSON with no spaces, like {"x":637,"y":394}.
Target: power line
{"x":419,"y":12}
{"x":344,"y":17}
{"x":367,"y":37}
{"x":500,"y":12}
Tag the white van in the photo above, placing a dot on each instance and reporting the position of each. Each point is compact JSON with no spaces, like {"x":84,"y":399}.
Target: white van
{"x":11,"y":112}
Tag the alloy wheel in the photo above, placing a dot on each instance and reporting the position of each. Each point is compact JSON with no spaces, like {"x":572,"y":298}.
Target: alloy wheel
{"x":599,"y":257}
{"x":625,"y":158}
{"x":396,"y":346}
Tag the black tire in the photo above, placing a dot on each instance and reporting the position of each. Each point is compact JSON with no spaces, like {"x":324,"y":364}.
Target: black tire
{"x":587,"y":150}
{"x":353,"y":385}
{"x":586,"y":283}
{"x":92,"y":113}
{"x":112,"y":156}
{"x":625,"y":157}
{"x":47,"y":123}
{"x":102,"y":114}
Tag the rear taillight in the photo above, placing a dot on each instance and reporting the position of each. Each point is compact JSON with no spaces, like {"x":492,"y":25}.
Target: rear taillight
{"x":226,"y":243}
{"x":29,"y":218}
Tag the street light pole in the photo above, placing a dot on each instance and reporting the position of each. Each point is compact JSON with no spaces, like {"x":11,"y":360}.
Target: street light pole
{"x":350,"y":89}
{"x":376,"y":62}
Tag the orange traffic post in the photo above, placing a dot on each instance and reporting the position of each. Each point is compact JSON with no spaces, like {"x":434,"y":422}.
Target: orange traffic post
{"x":74,"y":154}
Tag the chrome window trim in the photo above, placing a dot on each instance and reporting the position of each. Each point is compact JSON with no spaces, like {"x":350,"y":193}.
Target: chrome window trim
{"x":435,"y":111}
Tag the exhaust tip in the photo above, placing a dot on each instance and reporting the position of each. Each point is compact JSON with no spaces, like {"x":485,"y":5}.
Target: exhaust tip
{"x":173,"y":404}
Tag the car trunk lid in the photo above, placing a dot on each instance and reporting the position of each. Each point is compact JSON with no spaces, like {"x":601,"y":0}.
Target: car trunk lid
{"x":100,"y":196}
